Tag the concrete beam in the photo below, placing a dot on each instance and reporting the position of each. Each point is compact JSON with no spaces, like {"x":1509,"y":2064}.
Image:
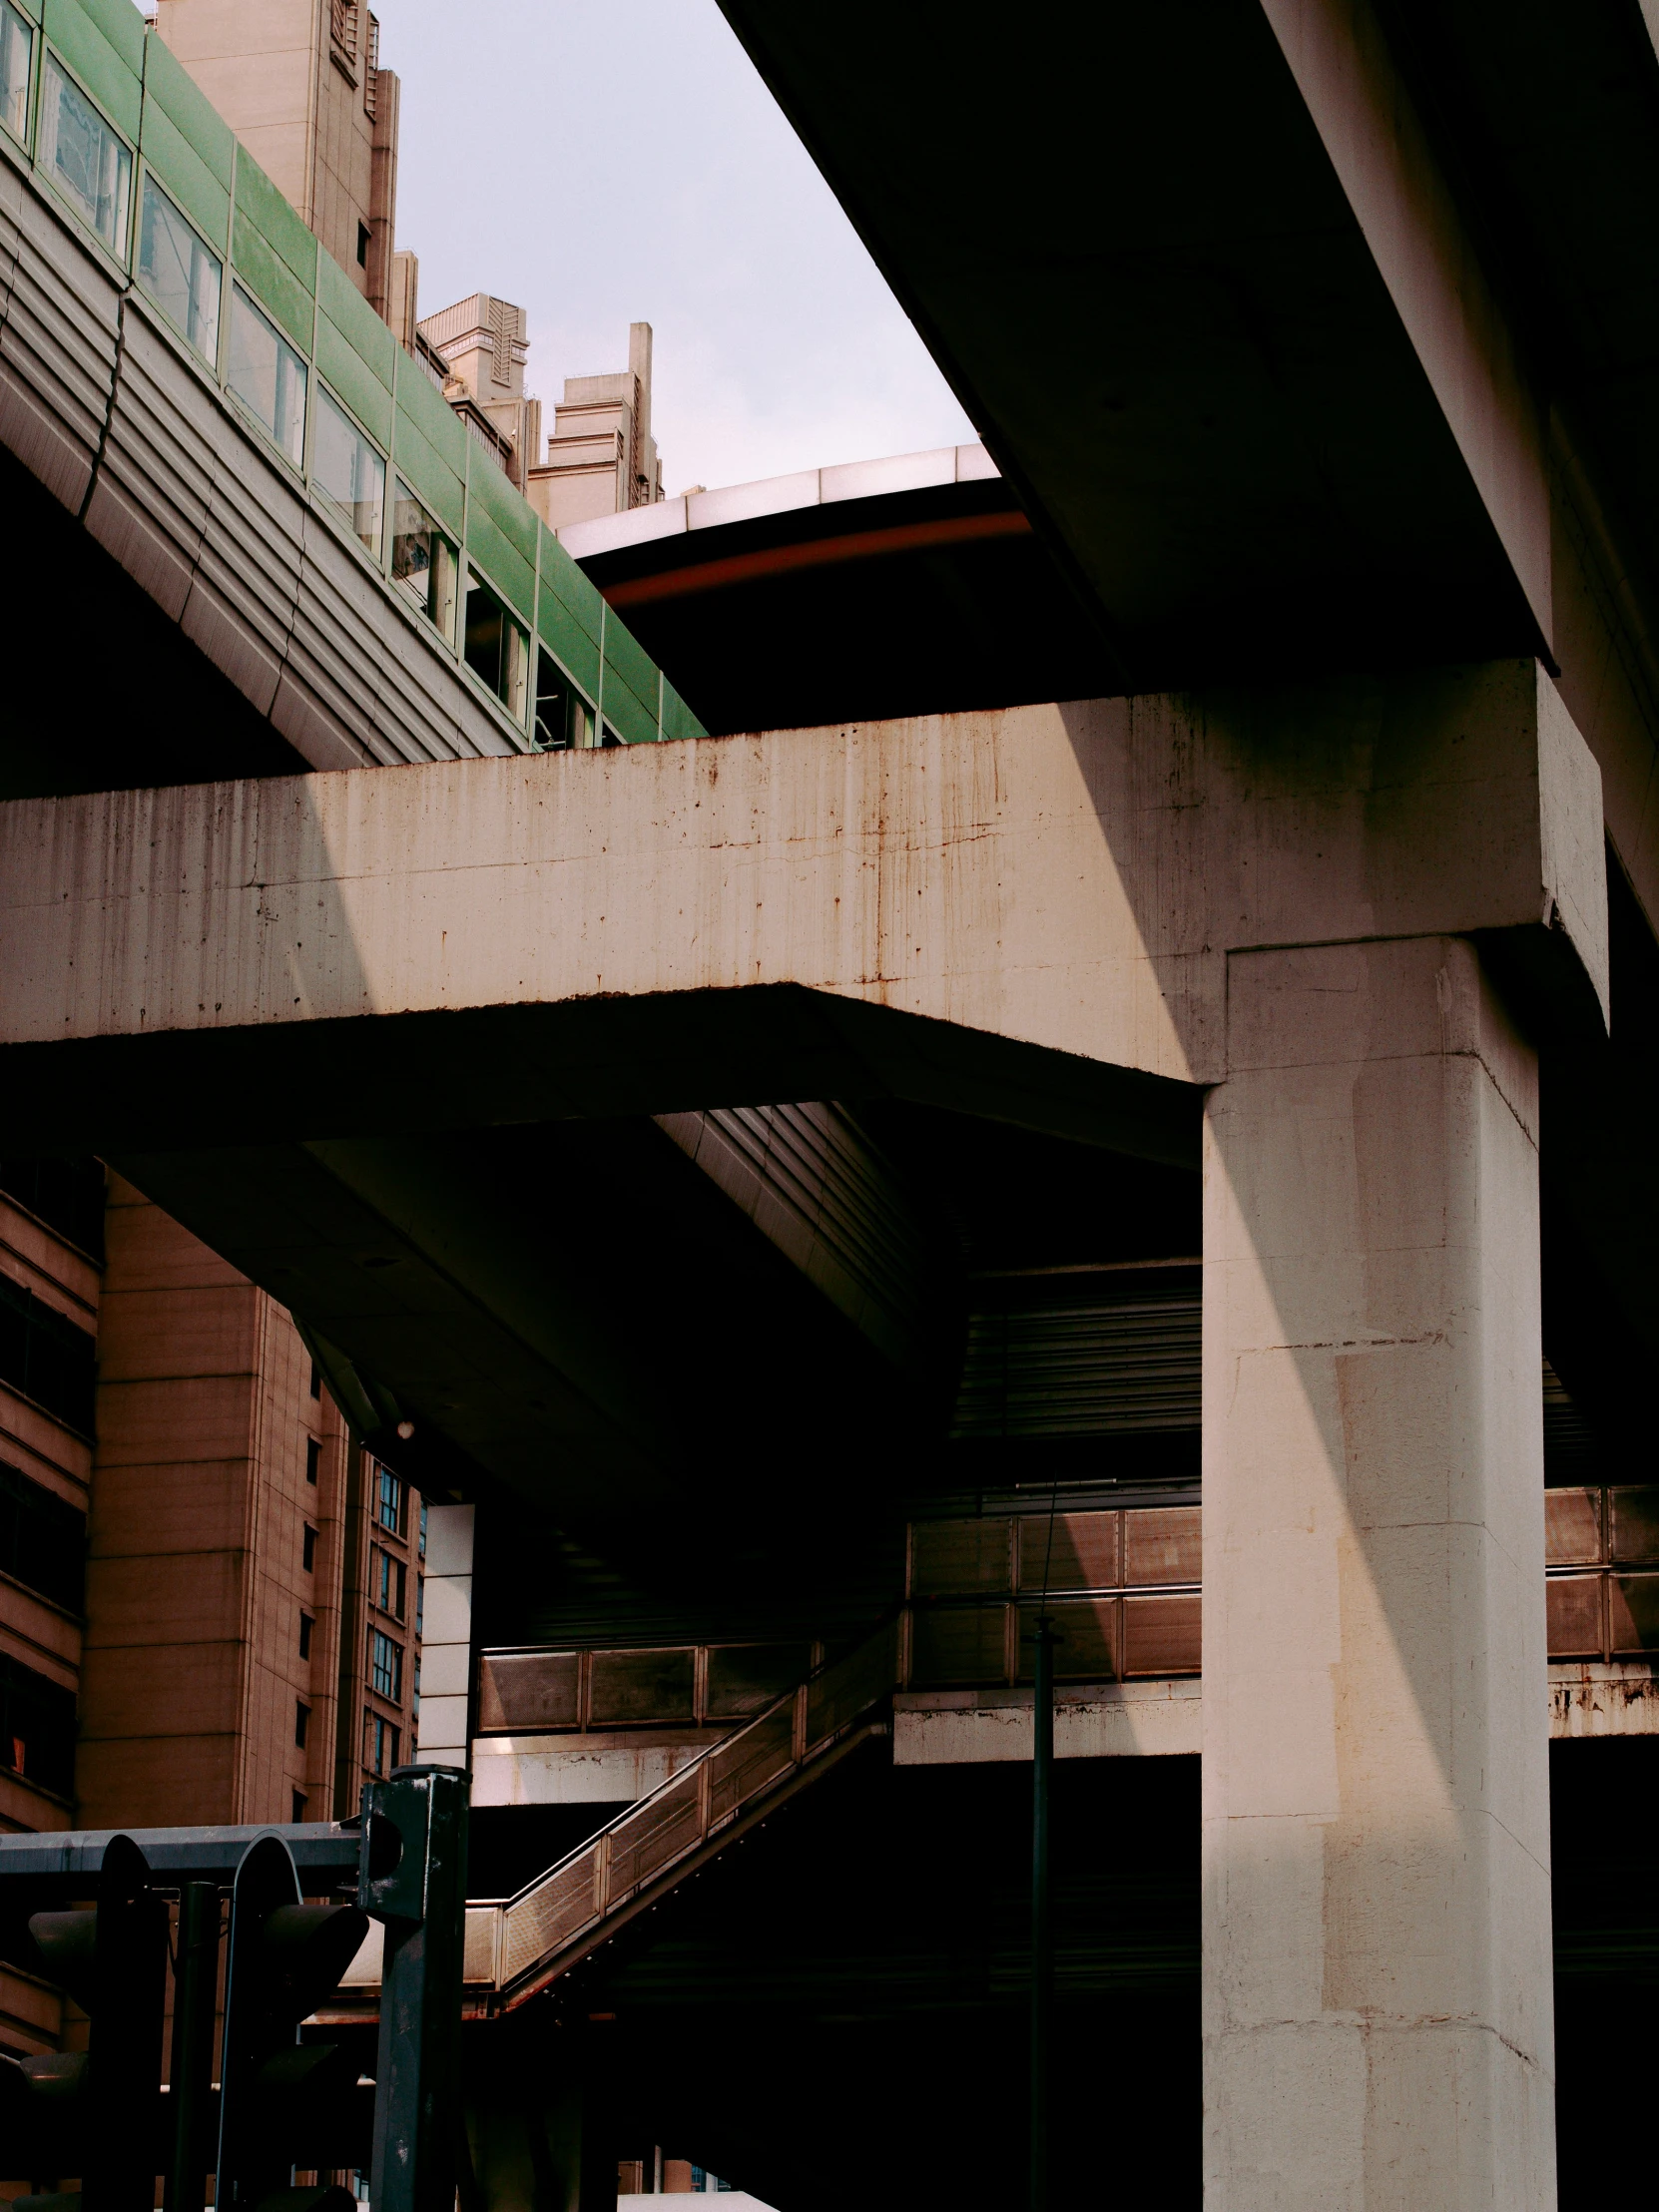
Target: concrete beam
{"x":1046,"y":895}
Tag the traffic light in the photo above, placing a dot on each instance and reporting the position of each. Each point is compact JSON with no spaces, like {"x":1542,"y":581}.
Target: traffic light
{"x":283,"y":2104}
{"x":96,"y":2115}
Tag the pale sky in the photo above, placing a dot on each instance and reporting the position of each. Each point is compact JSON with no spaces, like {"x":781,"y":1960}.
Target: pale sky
{"x":604,"y":161}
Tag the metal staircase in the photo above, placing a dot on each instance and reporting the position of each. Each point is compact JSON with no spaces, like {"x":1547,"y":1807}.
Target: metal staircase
{"x":517,"y":1946}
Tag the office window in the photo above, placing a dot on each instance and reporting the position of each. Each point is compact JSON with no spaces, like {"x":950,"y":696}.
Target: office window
{"x":421,"y":1545}
{"x":302,"y":1722}
{"x":308,"y":1555}
{"x":37,"y":1727}
{"x":298,"y":1809}
{"x":362,"y":244}
{"x":305,"y":1626}
{"x":268,"y":375}
{"x":389,"y":1501}
{"x":89,"y":163}
{"x":389,"y":1583}
{"x":47,"y":1356}
{"x":43,"y":1539}
{"x":17,"y":42}
{"x":423,"y":560}
{"x":316,"y":1381}
{"x":178,"y":271}
{"x":385,"y":1666}
{"x":496,"y":648}
{"x":313,"y":1458}
{"x":420,"y":1605}
{"x":347,"y":473}
{"x":382,"y":1744}
{"x":415,"y":1688}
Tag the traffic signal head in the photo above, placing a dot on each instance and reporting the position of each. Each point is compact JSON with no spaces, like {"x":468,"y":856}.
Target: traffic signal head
{"x":281,"y":2104}
{"x":96,"y":2114}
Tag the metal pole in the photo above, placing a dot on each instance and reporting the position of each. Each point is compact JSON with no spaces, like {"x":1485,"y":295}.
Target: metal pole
{"x":1042,"y":1958}
{"x":190,"y":2073}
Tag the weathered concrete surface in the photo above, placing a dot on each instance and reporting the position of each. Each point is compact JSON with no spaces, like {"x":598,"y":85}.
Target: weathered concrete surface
{"x":1063,"y":879}
{"x":1112,"y":1720}
{"x":1376,"y":1961}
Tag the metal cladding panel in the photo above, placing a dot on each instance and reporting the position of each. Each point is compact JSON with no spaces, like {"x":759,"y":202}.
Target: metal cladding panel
{"x":677,"y":720}
{"x":1070,"y":1551}
{"x":1573,"y":1612}
{"x":428,"y":476}
{"x":571,"y":614}
{"x":1633,"y":1531}
{"x":150,"y":503}
{"x":424,"y":698}
{"x":1572,"y":1527}
{"x":523,"y":1692}
{"x":1082,"y":1362}
{"x":355,"y":350}
{"x":96,"y":38}
{"x":497,"y":557}
{"x":327,"y":674}
{"x":274,"y":252}
{"x":187,"y":180}
{"x":58,"y":348}
{"x":639,"y":1686}
{"x":631,"y":680}
{"x":245,"y":592}
{"x":506,"y":508}
{"x":438,"y":423}
{"x":959,"y":1558}
{"x":187,"y":145}
{"x":1632,"y":1615}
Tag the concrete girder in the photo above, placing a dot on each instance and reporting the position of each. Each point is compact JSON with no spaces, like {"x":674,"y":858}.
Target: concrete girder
{"x":1048,"y":894}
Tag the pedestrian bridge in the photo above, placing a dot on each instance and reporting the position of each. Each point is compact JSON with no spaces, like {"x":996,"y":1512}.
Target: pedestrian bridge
{"x":194,"y":394}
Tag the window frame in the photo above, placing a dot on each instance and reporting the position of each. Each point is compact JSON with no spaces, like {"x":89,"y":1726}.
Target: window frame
{"x":23,"y":139}
{"x":520,"y":724}
{"x":323,"y":394}
{"x":240,"y":289}
{"x":121,"y":253}
{"x":147,"y":181}
{"x":400,"y":587}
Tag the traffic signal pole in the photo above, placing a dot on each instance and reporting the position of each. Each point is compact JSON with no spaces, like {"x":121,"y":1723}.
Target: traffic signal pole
{"x":189,"y":2074}
{"x":414,"y":1881}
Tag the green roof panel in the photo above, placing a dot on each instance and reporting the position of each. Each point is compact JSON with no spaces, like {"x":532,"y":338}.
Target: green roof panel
{"x":505,"y":505}
{"x":185,"y":177}
{"x":500,"y":560}
{"x":262,"y":206}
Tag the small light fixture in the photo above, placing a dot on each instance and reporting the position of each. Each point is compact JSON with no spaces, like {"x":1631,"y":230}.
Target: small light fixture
{"x":406,"y":1429}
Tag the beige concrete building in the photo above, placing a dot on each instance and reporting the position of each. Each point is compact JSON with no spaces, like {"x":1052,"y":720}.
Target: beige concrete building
{"x":301,"y":84}
{"x":601,"y":458}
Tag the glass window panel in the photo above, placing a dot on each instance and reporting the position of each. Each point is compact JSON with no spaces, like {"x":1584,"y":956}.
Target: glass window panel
{"x":1573,"y":1605}
{"x":16,"y":46}
{"x":1572,"y":1527}
{"x":423,"y":560}
{"x":178,"y":271}
{"x":268,"y":375}
{"x":87,"y":162}
{"x":348,"y":474}
{"x":497,"y":649}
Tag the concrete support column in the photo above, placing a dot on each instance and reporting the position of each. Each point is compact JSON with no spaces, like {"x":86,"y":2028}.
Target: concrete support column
{"x":1376,"y":1916}
{"x":446,"y":1638}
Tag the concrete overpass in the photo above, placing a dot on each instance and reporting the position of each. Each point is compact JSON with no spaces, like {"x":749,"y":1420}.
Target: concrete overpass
{"x":1343,"y":892}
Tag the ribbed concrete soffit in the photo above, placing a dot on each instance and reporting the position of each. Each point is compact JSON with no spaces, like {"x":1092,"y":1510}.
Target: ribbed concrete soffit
{"x":1234,"y":350}
{"x":196,"y":430}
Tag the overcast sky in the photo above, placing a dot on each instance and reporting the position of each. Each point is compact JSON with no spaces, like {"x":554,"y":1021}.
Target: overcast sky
{"x":604,"y":161}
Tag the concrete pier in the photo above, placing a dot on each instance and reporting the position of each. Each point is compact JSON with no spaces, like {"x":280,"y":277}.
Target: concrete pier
{"x":1376,"y":1925}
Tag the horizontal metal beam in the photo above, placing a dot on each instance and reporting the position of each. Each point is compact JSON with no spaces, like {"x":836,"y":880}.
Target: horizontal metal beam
{"x":325,"y":1855}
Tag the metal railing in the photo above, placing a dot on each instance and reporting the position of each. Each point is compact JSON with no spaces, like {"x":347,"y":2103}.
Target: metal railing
{"x":519,"y":1944}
